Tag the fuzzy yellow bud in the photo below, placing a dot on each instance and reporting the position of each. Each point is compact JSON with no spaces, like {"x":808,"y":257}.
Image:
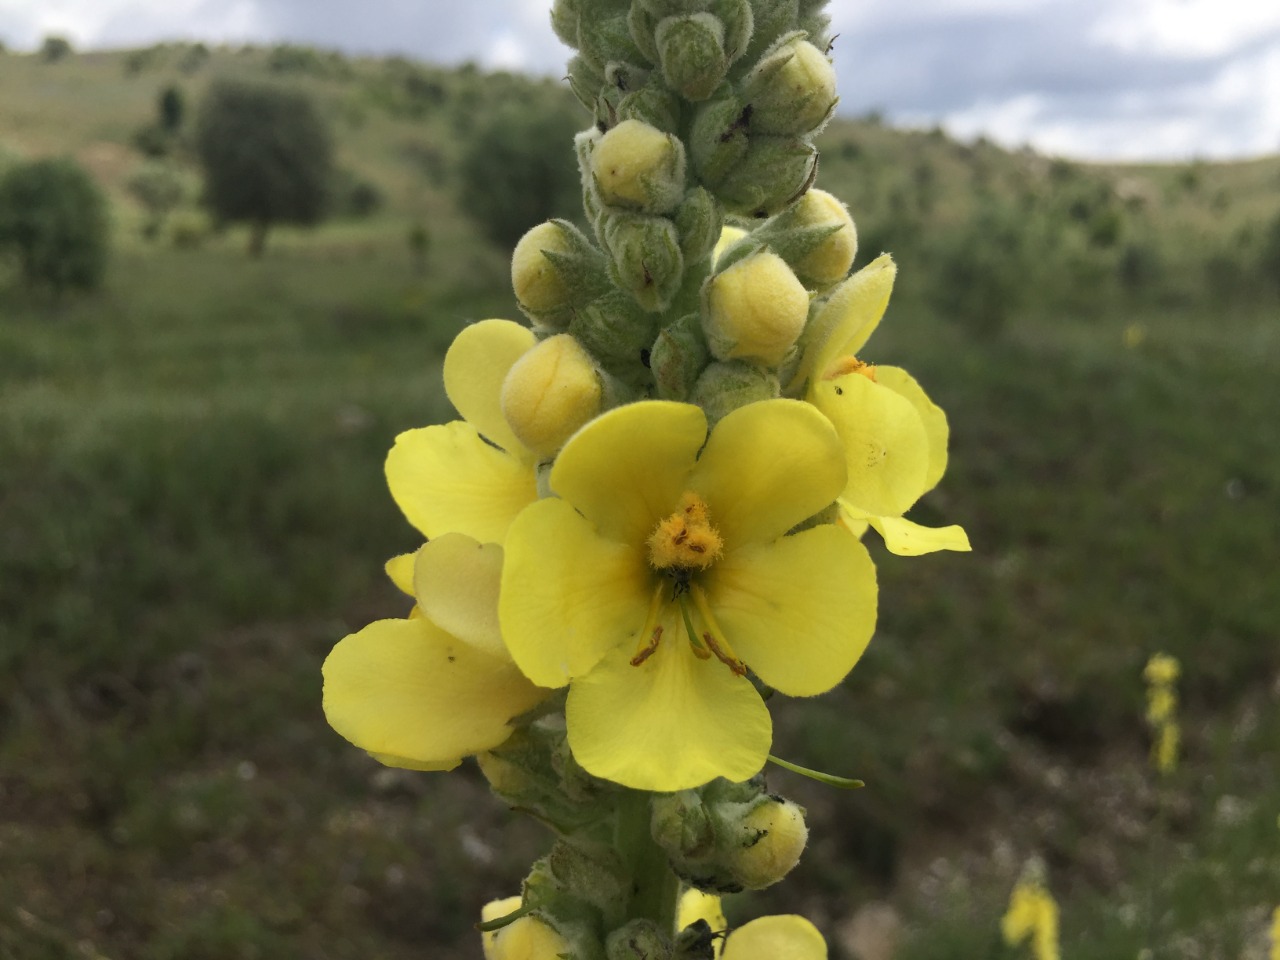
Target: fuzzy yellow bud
{"x":755,"y":310}
{"x":793,"y":90}
{"x":830,"y":260}
{"x":775,"y":835}
{"x":550,"y":392}
{"x":526,"y":938}
{"x":538,"y":285}
{"x":638,"y":167}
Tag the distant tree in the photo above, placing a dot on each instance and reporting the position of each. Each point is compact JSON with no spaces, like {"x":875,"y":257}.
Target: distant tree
{"x":54,"y":49}
{"x":171,"y":108}
{"x":53,"y":218}
{"x":267,"y":157}
{"x":159,"y":189}
{"x":519,"y":169}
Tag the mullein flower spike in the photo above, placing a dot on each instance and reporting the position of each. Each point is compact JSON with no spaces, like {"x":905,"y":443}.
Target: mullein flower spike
{"x":1161,"y":674}
{"x":647,"y":518}
{"x":1032,"y":916}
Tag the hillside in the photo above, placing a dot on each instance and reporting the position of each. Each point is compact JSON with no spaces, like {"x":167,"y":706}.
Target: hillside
{"x":192,"y":512}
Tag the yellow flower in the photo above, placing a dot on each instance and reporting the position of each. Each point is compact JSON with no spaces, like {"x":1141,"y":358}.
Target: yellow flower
{"x":661,"y":574}
{"x":1032,"y":915}
{"x":785,"y":937}
{"x":448,"y":478}
{"x":426,"y":691}
{"x":894,"y":436}
{"x":1275,"y":935}
{"x":1162,"y":669}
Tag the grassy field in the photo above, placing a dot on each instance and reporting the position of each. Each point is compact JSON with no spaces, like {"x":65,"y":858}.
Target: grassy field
{"x":192,"y":511}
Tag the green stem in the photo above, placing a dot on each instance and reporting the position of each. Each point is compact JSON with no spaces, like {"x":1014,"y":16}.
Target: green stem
{"x":656,"y":887}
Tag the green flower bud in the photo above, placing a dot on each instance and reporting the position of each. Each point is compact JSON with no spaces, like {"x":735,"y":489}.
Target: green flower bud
{"x":550,"y":392}
{"x":638,"y":940}
{"x":755,"y":310}
{"x":738,"y":22}
{"x":644,"y":258}
{"x":691,"y":51}
{"x":554,"y":268}
{"x":699,"y":221}
{"x":642,"y":24}
{"x":589,"y":872}
{"x":618,"y":334}
{"x":817,"y":25}
{"x":638,"y":167}
{"x":773,"y":835}
{"x":725,"y":386}
{"x":681,"y":824}
{"x":678,"y":355}
{"x":773,"y":19}
{"x":671,"y":8}
{"x":718,"y":138}
{"x":792,"y":90}
{"x":564,"y":21}
{"x":653,"y":104}
{"x":585,"y":80}
{"x":775,"y":172}
{"x":602,"y":39}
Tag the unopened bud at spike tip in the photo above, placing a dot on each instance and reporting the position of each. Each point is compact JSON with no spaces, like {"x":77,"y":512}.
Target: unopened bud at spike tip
{"x":691,"y":50}
{"x":792,"y":90}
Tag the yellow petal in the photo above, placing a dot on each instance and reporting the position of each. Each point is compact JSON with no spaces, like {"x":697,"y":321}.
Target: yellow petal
{"x":843,"y":324}
{"x":626,"y":469}
{"x":456,"y":582}
{"x":672,"y":723}
{"x":931,"y":415}
{"x":696,"y":905}
{"x":400,"y":571}
{"x":569,"y":595}
{"x":885,"y":444}
{"x":492,"y":911}
{"x":445,"y":478}
{"x":908,"y":539}
{"x":784,"y":937}
{"x":405,"y":763}
{"x":767,"y":467}
{"x":800,"y":611}
{"x":474,"y":368}
{"x":407,"y":689}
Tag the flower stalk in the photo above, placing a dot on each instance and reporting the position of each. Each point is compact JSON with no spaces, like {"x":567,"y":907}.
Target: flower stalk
{"x":648,"y":518}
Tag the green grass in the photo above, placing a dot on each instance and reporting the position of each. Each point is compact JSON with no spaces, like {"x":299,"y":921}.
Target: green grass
{"x":193,"y":511}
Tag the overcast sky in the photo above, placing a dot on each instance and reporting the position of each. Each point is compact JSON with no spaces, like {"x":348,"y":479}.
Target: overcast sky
{"x":1132,"y":79}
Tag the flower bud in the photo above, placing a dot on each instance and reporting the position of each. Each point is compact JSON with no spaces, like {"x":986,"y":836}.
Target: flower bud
{"x":585,"y":80}
{"x":774,"y":172}
{"x":653,"y":104}
{"x":775,"y":21}
{"x":671,"y":8}
{"x":729,"y":237}
{"x":527,"y":938}
{"x":691,"y":52}
{"x":638,"y":940}
{"x":564,"y":20}
{"x":755,"y":310}
{"x":792,"y":90}
{"x":678,"y":356}
{"x":617,"y":333}
{"x":773,"y":835}
{"x":602,"y":39}
{"x":644,"y":258}
{"x":724,"y":386}
{"x":738,"y":22}
{"x":638,"y":167}
{"x":550,"y":392}
{"x":718,"y":138}
{"x":554,"y":268}
{"x":699,"y":221}
{"x":816,"y":236}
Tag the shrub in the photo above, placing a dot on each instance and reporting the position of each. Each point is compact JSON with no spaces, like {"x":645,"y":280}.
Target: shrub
{"x":520,"y":169}
{"x":54,"y":49}
{"x":267,"y":157}
{"x":159,"y":189}
{"x":53,"y":218}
